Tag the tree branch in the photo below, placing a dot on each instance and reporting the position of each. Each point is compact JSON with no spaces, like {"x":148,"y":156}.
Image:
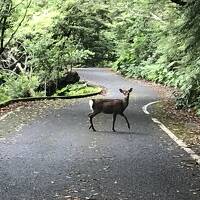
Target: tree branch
{"x":13,"y":34}
{"x":17,"y":4}
{"x":8,"y":70}
{"x":2,"y":48}
{"x":154,"y":16}
{"x":2,"y":34}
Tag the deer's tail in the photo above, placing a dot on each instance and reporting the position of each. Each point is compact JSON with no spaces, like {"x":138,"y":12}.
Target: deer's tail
{"x":91,"y":102}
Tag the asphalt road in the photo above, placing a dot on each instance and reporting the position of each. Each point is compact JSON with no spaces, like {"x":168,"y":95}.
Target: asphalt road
{"x":57,"y":157}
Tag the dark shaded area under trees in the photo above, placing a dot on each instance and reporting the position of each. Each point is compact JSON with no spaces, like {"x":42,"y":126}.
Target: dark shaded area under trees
{"x":180,"y":2}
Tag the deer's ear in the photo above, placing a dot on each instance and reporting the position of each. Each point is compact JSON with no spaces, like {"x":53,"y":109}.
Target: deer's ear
{"x":121,"y":90}
{"x":131,"y":89}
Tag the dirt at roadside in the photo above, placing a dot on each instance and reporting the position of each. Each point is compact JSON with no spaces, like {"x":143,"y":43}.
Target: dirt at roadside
{"x":184,"y":123}
{"x":17,"y":115}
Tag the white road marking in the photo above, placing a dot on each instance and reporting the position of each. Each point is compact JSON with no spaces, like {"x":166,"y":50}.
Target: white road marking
{"x":178,"y":141}
{"x":144,"y":108}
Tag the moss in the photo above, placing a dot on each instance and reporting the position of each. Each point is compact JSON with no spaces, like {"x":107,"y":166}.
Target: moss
{"x":80,"y":88}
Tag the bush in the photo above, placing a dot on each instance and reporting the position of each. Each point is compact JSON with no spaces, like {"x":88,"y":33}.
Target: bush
{"x":3,"y":95}
{"x":20,"y":86}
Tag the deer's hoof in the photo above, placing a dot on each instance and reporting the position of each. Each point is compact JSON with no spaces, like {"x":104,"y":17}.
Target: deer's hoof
{"x":92,"y":128}
{"x":114,"y":130}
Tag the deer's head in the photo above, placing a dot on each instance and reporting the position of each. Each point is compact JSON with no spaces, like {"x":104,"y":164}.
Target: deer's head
{"x":126,"y":92}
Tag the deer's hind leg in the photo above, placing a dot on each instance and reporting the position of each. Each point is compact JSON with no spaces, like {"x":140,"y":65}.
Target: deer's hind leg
{"x":91,"y":116}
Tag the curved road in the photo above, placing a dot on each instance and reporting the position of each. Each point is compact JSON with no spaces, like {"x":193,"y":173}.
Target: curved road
{"x":57,"y":157}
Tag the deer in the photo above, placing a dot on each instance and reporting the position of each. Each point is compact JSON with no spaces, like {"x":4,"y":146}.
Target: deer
{"x":110,"y":106}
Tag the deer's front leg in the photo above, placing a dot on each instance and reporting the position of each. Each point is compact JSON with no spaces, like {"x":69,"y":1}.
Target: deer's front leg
{"x":123,"y":115}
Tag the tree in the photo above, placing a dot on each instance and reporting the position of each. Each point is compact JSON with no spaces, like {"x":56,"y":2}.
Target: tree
{"x":85,"y":22}
{"x":6,"y":10}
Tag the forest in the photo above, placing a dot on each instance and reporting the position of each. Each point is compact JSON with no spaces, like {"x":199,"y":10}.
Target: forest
{"x":41,"y":41}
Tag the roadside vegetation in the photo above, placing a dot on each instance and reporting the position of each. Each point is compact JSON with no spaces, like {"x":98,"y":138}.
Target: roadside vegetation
{"x":80,"y":88}
{"x":42,"y":42}
{"x":183,"y":123}
{"x":159,"y":41}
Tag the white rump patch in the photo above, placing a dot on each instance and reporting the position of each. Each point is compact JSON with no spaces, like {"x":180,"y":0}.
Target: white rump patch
{"x":91,"y":104}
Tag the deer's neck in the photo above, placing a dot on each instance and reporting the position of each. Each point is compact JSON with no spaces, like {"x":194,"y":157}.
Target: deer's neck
{"x":126,"y":102}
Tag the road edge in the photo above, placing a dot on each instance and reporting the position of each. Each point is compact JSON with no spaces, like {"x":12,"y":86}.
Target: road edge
{"x":9,"y":102}
{"x":6,"y":103}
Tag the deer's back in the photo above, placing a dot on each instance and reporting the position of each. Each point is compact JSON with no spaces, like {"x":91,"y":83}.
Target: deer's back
{"x":108,"y":106}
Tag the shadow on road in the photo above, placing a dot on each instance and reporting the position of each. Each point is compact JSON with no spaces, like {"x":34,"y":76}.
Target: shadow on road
{"x":118,"y":132}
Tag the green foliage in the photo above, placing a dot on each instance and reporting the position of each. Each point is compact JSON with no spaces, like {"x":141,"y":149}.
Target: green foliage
{"x":136,"y":40}
{"x":190,"y":28}
{"x":58,"y":38}
{"x":77,"y":89}
{"x":44,"y":48}
{"x":20,"y":86}
{"x":3,"y":95}
{"x":159,"y":41}
{"x":85,"y":22}
{"x":50,"y":58}
{"x":149,"y":39}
